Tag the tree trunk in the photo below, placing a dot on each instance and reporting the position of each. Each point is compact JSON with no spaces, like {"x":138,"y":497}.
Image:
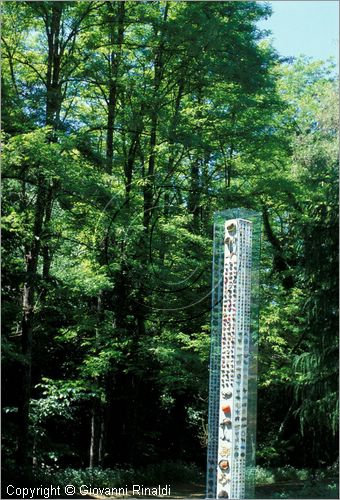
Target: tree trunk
{"x":115,"y":58}
{"x":280,"y":263}
{"x":94,"y":441}
{"x":53,"y":82}
{"x":194,"y":196}
{"x":102,"y":437}
{"x":97,"y":435}
{"x":129,"y":164}
{"x":148,"y":186}
{"x":51,"y":13}
{"x":171,"y":161}
{"x":47,"y":258}
{"x":32,"y":257}
{"x":149,"y":180}
{"x":148,"y":193}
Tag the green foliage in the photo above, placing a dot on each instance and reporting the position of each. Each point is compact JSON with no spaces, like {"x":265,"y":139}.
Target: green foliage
{"x":327,"y":489}
{"x":121,"y":139}
{"x":264,"y":476}
{"x":298,"y":323}
{"x":289,"y":482}
{"x":165,"y":472}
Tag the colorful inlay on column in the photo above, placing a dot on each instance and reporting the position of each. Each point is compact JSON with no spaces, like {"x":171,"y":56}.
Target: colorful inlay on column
{"x":231,"y":447}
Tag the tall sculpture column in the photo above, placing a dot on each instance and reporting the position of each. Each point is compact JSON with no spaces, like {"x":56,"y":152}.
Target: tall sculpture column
{"x":232,"y":392}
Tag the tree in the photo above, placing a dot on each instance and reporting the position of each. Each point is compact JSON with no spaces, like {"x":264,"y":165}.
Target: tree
{"x":300,"y":320}
{"x":127,"y":125}
{"x":52,"y":72}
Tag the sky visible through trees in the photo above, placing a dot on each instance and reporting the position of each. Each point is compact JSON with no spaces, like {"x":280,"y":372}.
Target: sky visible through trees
{"x":305,"y":27}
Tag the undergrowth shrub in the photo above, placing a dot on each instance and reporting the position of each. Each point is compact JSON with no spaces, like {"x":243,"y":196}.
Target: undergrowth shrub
{"x":150,"y":475}
{"x":264,"y":476}
{"x":289,"y":482}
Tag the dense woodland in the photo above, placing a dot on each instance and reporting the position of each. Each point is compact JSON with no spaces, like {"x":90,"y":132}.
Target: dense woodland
{"x":126,"y":125}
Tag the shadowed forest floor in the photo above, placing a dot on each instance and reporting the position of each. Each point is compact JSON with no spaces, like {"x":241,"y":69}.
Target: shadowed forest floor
{"x":299,"y":489}
{"x":179,"y":490}
{"x":283,"y":489}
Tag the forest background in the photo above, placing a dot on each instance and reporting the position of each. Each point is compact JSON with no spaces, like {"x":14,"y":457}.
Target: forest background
{"x":126,"y":125}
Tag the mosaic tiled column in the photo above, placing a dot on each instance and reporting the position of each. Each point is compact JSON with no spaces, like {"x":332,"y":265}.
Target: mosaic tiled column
{"x":232,"y":394}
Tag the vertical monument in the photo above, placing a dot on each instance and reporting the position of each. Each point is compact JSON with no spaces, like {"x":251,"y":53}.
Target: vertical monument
{"x":233,"y":363}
